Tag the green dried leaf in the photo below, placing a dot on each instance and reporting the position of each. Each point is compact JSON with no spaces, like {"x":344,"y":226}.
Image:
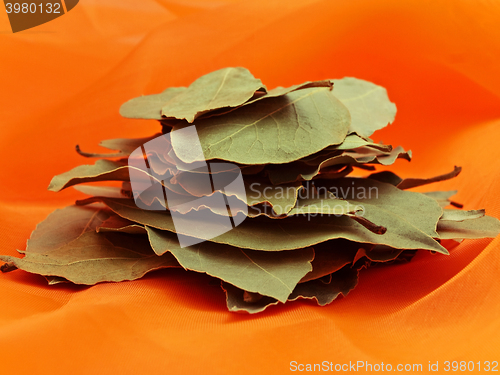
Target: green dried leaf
{"x":273,"y":274}
{"x":296,"y":232}
{"x":328,"y":288}
{"x":313,"y":207}
{"x":125,"y":146}
{"x":66,"y":246}
{"x":409,"y":183}
{"x":116,"y":223}
{"x":308,"y":170}
{"x":331,"y":256}
{"x":102,"y":191}
{"x":324,"y":291}
{"x":228,"y":87}
{"x":149,"y":106}
{"x":188,"y":203}
{"x":386,"y":206}
{"x":238,"y":300}
{"x":107,"y":170}
{"x":102,"y":170}
{"x":387,"y":177}
{"x":442,"y":197}
{"x":282,"y":198}
{"x":458,"y":215}
{"x":484,"y":227}
{"x":354,"y":141}
{"x":378,"y":253}
{"x":368,"y":104}
{"x":63,"y":226}
{"x":278,"y":91}
{"x":275,"y":130}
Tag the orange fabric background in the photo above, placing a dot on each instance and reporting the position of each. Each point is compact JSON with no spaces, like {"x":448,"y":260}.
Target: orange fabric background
{"x":62,"y":84}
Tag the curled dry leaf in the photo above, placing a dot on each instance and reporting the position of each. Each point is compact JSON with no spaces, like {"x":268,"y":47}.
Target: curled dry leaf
{"x":483,"y":227}
{"x":307,"y":170}
{"x":368,"y":104}
{"x":275,"y":130}
{"x":324,"y":290}
{"x":228,"y":87}
{"x":458,"y":215}
{"x":262,"y":233}
{"x":125,"y":146}
{"x":409,"y":183}
{"x":328,"y":288}
{"x":81,"y":255}
{"x":272,"y":274}
{"x":149,"y":106}
{"x":102,"y":170}
{"x":443,"y":197}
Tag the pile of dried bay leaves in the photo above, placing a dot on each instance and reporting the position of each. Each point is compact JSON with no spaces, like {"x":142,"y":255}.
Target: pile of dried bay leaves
{"x":302,"y":228}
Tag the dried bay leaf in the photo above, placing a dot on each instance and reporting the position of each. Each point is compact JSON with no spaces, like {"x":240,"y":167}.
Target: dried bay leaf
{"x":353,"y":141}
{"x":378,"y":253}
{"x":328,"y":288}
{"x":483,"y":227}
{"x":397,"y":153}
{"x":275,"y":130}
{"x":273,"y":274}
{"x":262,"y":233}
{"x":324,"y":291}
{"x":408,"y":183}
{"x":387,"y":177}
{"x":458,"y":215}
{"x":278,"y":91}
{"x":442,"y":197}
{"x":387,"y":206}
{"x":149,"y":106}
{"x":331,"y":256}
{"x":228,"y":87}
{"x":336,"y":207}
{"x":368,"y":104}
{"x":310,"y":169}
{"x":116,"y":223}
{"x":257,"y":190}
{"x":65,"y":225}
{"x":315,"y":205}
{"x":237,"y":300}
{"x":189,"y":203}
{"x":214,"y":94}
{"x":66,"y":245}
{"x":297,"y":171}
{"x":125,"y":146}
{"x":90,"y":259}
{"x":102,"y":170}
{"x":102,"y":191}
{"x":107,"y":170}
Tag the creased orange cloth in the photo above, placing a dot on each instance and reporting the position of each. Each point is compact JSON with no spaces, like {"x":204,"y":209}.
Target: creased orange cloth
{"x":62,"y":85}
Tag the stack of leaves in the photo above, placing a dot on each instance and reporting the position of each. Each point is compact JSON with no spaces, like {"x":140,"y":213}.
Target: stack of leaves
{"x":304,"y":226}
